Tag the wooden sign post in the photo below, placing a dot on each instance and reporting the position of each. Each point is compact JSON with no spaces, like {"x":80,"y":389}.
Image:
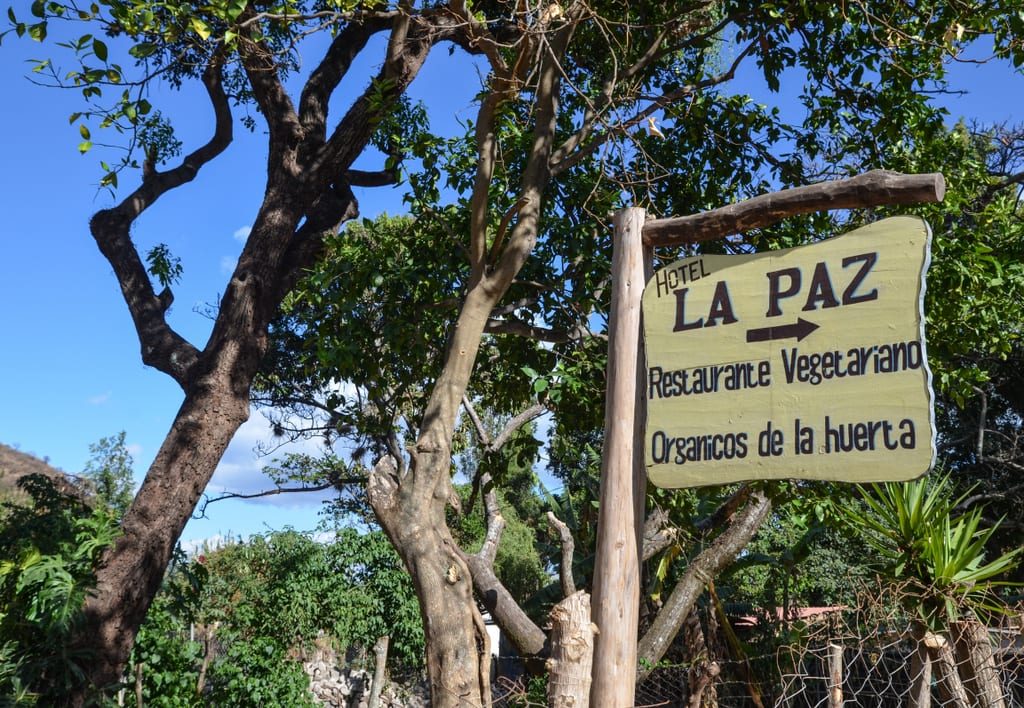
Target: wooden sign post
{"x":616,"y":603}
{"x":623,"y":476}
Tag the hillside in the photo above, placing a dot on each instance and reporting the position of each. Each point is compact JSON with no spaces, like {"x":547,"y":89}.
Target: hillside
{"x":15,"y":464}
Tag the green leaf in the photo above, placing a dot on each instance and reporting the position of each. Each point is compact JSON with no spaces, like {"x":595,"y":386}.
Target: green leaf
{"x":84,"y":146}
{"x":200,"y":28}
{"x":100,"y":50}
{"x":143,"y":50}
{"x":84,"y":131}
{"x":164,"y":266}
{"x":236,"y":8}
{"x":37,"y":31}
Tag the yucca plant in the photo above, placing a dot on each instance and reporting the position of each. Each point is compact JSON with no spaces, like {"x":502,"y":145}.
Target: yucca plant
{"x":924,"y":544}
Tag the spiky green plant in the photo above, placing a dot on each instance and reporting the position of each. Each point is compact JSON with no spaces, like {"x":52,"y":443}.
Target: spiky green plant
{"x":923,"y":543}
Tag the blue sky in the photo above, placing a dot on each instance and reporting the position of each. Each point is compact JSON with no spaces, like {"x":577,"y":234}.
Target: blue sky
{"x":69,"y":360}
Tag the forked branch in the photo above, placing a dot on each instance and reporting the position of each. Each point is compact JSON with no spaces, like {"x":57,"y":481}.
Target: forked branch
{"x":162,"y":347}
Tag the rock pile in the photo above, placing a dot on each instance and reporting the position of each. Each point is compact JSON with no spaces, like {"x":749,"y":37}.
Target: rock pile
{"x":336,"y":685}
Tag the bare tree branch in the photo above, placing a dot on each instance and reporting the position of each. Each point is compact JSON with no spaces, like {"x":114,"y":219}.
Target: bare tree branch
{"x":335,"y":65}
{"x":657,"y":535}
{"x":495,"y":522}
{"x":515,"y":423}
{"x":490,"y":445}
{"x":540,"y":334}
{"x":162,"y":347}
{"x":271,"y":96}
{"x":560,"y":529}
{"x":658,"y":47}
{"x":724,"y":513}
{"x":410,"y":43}
{"x":705,"y":567}
{"x":874,"y":188}
{"x":536,"y":173}
{"x":522,"y":631}
{"x":585,"y":143}
{"x":979,"y":448}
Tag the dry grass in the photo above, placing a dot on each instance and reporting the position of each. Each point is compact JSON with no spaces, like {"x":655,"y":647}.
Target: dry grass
{"x":15,"y":464}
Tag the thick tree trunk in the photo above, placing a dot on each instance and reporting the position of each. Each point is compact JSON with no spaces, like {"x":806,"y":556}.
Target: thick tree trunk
{"x":572,"y":652}
{"x":457,"y":644}
{"x":134,"y":569}
{"x":308,"y":194}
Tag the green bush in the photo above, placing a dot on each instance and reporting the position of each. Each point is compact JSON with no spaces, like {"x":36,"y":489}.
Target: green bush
{"x":167,"y":662}
{"x":258,"y":672}
{"x":51,"y":546}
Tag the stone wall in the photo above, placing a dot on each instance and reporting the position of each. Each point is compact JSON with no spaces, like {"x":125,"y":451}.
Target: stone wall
{"x":336,"y":683}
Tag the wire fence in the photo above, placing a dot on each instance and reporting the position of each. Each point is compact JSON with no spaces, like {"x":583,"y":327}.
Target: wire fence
{"x":876,"y":655}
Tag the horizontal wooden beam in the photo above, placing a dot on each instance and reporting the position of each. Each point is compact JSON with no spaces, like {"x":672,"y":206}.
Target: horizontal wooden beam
{"x":871,"y":189}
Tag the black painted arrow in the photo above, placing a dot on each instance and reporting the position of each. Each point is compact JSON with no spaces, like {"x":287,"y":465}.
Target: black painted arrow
{"x":799,"y":330}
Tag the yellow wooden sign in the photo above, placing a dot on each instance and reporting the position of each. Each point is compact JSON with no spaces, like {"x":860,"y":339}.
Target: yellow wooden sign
{"x":805,"y":363}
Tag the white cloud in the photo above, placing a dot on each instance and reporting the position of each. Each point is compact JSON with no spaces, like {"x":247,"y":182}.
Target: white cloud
{"x":101,"y":398}
{"x":227,"y":263}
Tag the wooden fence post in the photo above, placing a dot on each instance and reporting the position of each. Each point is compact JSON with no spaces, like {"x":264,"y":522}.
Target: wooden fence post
{"x":835,"y":676}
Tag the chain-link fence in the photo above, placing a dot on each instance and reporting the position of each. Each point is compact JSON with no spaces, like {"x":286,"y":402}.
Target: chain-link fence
{"x":876,"y":655}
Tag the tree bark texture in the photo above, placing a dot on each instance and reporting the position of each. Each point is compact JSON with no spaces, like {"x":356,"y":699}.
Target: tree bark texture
{"x":974,"y":656}
{"x":134,"y":567}
{"x":623,"y":476}
{"x":410,"y":503}
{"x":516,"y":625}
{"x":951,"y":688}
{"x":307,"y":195}
{"x":457,"y":644}
{"x":920,"y":673}
{"x":702,"y":669}
{"x":835,"y":675}
{"x":873,"y":188}
{"x":380,"y":660}
{"x":572,"y":652}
